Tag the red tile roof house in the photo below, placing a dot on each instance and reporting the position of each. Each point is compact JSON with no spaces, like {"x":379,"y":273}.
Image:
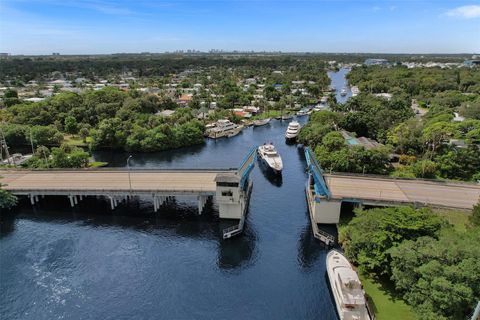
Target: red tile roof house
{"x":184,"y":99}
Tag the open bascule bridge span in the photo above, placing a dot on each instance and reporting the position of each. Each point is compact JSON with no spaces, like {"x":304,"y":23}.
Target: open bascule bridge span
{"x":229,"y":188}
{"x":326,"y":193}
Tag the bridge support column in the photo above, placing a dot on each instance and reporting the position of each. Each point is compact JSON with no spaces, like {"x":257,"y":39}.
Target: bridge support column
{"x":155,"y":203}
{"x":32,"y":199}
{"x":72,"y":203}
{"x":231,"y":199}
{"x":201,"y":203}
{"x":327,"y":211}
{"x":75,"y":199}
{"x":112,"y":203}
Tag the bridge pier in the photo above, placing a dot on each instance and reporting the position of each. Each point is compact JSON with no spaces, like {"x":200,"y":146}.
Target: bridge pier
{"x":112,"y":203}
{"x":201,"y":203}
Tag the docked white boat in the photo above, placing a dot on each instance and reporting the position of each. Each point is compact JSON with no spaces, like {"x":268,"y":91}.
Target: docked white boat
{"x":343,"y":92}
{"x":269,"y":155}
{"x":355,"y":91}
{"x":261,"y":122}
{"x":287,"y":117}
{"x":346,"y":288}
{"x":293,"y":130}
{"x":302,"y":112}
{"x":223,"y":128}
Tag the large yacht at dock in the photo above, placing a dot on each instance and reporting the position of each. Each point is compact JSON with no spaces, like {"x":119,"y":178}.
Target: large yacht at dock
{"x":269,"y":155}
{"x":223,"y":128}
{"x":261,"y":122}
{"x":346,"y":288}
{"x":293,"y":130}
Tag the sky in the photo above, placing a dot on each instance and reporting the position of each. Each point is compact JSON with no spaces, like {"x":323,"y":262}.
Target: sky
{"x":108,"y":26}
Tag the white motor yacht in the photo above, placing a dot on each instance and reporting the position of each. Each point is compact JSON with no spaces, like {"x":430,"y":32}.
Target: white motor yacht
{"x":346,"y":288}
{"x":302,"y":112}
{"x":343,"y":92}
{"x":261,"y":122}
{"x":293,"y":130}
{"x":223,"y":128}
{"x":270,"y":157}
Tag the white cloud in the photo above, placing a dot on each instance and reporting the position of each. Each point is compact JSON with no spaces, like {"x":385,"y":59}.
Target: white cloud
{"x":465,"y":12}
{"x":376,"y":9}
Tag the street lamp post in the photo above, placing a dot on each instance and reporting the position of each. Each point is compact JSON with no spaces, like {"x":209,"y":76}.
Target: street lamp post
{"x":129,"y":179}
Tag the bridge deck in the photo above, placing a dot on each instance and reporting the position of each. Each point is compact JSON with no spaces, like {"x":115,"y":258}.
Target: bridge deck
{"x":440,"y":194}
{"x":111,"y":180}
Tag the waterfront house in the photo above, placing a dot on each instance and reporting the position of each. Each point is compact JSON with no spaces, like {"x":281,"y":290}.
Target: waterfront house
{"x":365,"y":142}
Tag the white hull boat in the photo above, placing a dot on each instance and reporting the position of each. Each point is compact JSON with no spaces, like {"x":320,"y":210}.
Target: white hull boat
{"x":269,"y":155}
{"x":262,"y":122}
{"x":293,"y":130}
{"x":346,"y":288}
{"x":302,"y":113}
{"x":223,"y":128}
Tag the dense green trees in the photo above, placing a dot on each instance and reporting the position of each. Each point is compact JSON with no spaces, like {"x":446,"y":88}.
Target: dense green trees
{"x":415,"y":81}
{"x":430,"y":139}
{"x":439,"y":276}
{"x":46,"y":135}
{"x":335,"y":155}
{"x":58,"y":157}
{"x":367,"y":238}
{"x":319,"y":125}
{"x":118,"y":120}
{"x":431,"y":264}
{"x":71,"y":125}
{"x":7,"y":200}
{"x":332,"y":151}
{"x":372,"y":117}
{"x":10,"y":97}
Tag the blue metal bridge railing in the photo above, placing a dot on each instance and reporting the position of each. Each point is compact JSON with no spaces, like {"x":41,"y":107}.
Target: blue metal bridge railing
{"x":246,"y":167}
{"x":320,"y":187}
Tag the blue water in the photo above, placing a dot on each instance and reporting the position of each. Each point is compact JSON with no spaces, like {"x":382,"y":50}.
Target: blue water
{"x":339,"y":81}
{"x":93,"y":263}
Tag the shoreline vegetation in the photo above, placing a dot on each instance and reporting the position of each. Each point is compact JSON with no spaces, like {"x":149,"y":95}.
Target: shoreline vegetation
{"x":150,"y":107}
{"x":379,"y":131}
{"x":396,"y":251}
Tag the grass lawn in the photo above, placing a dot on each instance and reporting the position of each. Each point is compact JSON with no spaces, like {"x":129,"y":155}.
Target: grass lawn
{"x":76,"y":140}
{"x":386,"y":305}
{"x":459,"y":219}
{"x":97,"y":164}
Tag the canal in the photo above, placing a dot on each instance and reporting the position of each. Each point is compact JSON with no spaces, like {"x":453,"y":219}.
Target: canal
{"x":338,"y":81}
{"x":92,"y":263}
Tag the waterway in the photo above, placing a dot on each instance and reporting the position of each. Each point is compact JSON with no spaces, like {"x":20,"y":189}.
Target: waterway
{"x":339,"y":81}
{"x":92,"y":263}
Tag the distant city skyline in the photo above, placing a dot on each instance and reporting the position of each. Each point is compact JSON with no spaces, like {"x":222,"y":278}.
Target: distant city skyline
{"x":105,"y":26}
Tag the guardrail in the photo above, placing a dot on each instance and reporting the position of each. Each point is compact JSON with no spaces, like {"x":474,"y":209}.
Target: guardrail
{"x":385,"y":177}
{"x":247,"y":166}
{"x":317,"y":173}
